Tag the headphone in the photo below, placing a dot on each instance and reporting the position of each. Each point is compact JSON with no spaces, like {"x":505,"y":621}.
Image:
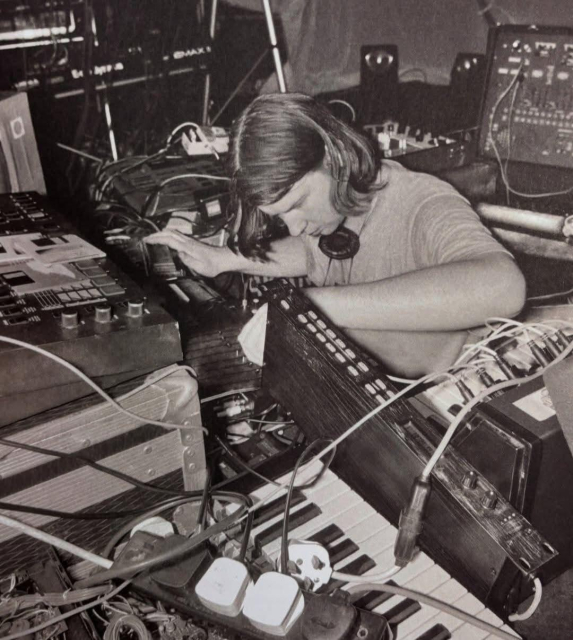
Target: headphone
{"x":341,"y":244}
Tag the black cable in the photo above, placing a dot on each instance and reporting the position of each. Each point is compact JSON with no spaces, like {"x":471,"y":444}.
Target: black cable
{"x":236,"y":458}
{"x":95,"y":465}
{"x":205,"y":498}
{"x":165,"y":558}
{"x":301,"y":459}
{"x":246,"y":536}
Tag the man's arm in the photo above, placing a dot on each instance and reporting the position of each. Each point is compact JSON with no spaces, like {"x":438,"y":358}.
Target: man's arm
{"x":287,"y":257}
{"x":446,"y":297}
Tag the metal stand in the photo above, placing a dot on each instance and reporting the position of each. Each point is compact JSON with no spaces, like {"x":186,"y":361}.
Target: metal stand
{"x":276,"y":59}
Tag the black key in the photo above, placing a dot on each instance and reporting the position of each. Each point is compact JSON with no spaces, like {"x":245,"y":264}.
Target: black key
{"x":357,"y":567}
{"x":341,"y":551}
{"x":275,"y":507}
{"x":373,"y":599}
{"x":402,"y":611}
{"x":437,"y":632}
{"x":296,"y":519}
{"x":327,"y":535}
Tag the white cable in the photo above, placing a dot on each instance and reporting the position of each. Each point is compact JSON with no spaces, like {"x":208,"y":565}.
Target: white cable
{"x":94,"y":386}
{"x":309,"y":465}
{"x":476,"y":400}
{"x":532,"y":607}
{"x":377,"y":577}
{"x":38,"y":534}
{"x":177,"y":129}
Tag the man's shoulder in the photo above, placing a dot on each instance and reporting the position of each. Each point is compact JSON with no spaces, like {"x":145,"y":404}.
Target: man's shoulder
{"x":403,"y":181}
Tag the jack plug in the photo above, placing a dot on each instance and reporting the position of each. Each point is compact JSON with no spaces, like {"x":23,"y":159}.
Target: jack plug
{"x":411,"y":522}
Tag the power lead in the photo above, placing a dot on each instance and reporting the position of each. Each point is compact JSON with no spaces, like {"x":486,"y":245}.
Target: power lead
{"x":411,"y":522}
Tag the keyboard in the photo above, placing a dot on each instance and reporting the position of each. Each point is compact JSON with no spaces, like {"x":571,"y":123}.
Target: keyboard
{"x":360,"y":541}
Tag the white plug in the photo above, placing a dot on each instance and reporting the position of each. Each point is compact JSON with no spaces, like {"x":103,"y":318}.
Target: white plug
{"x":223,"y":586}
{"x":312,"y":562}
{"x":274,"y":603}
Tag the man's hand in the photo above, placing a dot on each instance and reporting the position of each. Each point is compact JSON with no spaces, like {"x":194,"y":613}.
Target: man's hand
{"x":202,"y":258}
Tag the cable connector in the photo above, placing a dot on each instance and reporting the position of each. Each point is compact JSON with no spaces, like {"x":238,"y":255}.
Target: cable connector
{"x":411,"y":522}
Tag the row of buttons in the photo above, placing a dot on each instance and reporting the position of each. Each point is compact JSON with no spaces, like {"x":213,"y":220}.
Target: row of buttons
{"x":343,"y":354}
{"x":99,"y":278}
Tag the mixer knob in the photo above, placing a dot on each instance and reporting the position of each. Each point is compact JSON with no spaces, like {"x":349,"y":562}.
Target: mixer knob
{"x":69,"y":319}
{"x":135,"y":308}
{"x":489,"y":500}
{"x":103,"y":313}
{"x":470,"y":480}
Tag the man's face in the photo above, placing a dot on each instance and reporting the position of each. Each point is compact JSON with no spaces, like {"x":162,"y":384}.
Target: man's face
{"x":307,"y":208}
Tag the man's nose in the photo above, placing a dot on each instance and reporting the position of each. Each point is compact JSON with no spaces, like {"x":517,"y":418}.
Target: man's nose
{"x":295,"y":226}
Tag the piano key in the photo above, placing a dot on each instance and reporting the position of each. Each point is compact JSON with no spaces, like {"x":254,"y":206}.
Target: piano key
{"x":402,"y":611}
{"x":358,"y":567}
{"x":276,"y":508}
{"x":426,"y":581}
{"x":373,"y":599}
{"x":327,"y":535}
{"x":450,"y":591}
{"x":342,"y":550}
{"x":437,"y":632}
{"x":297,"y":517}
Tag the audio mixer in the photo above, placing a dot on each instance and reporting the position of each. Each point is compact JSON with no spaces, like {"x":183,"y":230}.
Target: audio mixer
{"x":62,"y":294}
{"x":527,"y":111}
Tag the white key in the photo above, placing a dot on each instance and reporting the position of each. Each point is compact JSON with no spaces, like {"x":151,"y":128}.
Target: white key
{"x":427,"y":581}
{"x":449,"y":592}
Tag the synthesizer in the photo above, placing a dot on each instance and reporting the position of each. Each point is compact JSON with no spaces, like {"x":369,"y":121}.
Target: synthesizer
{"x":59,"y":293}
{"x":527,"y":109}
{"x":328,"y":384}
{"x":360,"y":542}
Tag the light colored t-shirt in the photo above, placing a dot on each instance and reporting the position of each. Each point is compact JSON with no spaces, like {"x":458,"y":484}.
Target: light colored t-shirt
{"x":416,"y":221}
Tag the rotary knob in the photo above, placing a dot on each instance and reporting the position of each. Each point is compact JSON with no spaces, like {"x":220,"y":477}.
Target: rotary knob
{"x":135,"y":308}
{"x":470,"y":480}
{"x":103,"y":313}
{"x":489,"y":500}
{"x":69,"y":319}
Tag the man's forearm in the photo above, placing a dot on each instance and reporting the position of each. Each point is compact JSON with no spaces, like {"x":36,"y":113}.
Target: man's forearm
{"x":442,"y":298}
{"x":286,"y":258}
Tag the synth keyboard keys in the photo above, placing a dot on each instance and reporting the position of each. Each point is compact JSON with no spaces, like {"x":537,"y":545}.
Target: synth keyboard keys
{"x":437,"y":632}
{"x":373,"y":599}
{"x":402,"y":611}
{"x":342,"y":550}
{"x":345,"y":523}
{"x":298,"y":517}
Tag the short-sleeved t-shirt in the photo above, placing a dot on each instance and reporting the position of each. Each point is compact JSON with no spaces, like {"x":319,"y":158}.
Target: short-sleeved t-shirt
{"x":415,"y":221}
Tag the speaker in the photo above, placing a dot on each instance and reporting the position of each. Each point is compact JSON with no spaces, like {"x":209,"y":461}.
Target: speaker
{"x":467,"y":80}
{"x":378,"y":83}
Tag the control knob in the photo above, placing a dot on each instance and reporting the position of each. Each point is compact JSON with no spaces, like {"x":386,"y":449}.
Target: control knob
{"x":103,"y":313}
{"x":69,"y":319}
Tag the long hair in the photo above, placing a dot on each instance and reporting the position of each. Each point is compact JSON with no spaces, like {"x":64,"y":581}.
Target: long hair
{"x":277,"y":140}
